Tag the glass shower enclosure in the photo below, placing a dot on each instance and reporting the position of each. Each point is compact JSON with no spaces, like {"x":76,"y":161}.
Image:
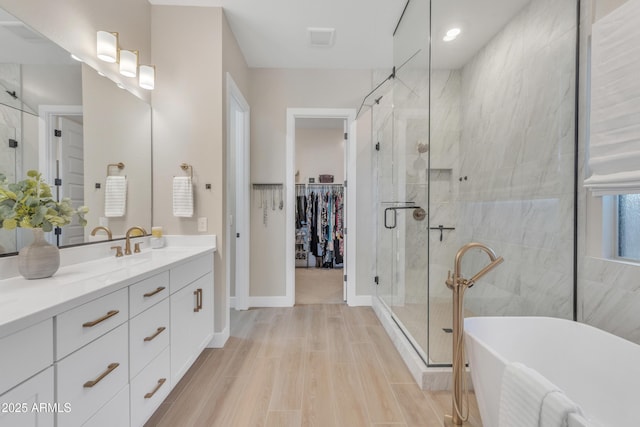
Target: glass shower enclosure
{"x":475,"y":141}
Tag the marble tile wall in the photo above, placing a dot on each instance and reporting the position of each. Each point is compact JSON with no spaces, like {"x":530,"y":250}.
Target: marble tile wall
{"x":517,"y":150}
{"x":10,"y":127}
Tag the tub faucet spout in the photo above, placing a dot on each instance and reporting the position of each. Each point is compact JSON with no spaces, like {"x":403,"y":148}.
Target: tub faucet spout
{"x":459,"y":284}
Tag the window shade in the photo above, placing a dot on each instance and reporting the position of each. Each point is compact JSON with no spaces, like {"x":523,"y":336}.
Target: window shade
{"x":614,"y":146}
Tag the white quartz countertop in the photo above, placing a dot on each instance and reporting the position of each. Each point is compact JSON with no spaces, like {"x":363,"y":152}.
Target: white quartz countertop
{"x":27,"y":302}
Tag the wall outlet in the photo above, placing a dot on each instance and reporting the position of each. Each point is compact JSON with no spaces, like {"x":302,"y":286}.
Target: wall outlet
{"x":202,"y":224}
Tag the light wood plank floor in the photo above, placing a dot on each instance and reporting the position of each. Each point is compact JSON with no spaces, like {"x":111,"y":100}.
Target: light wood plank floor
{"x":319,"y":285}
{"x":310,"y":365}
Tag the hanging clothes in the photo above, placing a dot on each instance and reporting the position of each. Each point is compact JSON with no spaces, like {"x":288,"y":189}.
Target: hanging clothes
{"x":319,"y":209}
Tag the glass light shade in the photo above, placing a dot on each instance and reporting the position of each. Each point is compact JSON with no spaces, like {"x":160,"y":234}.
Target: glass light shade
{"x":107,"y":46}
{"x":147,"y":79}
{"x":128,"y":63}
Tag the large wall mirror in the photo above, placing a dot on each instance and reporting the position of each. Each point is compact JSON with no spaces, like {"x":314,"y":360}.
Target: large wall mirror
{"x":104,"y":136}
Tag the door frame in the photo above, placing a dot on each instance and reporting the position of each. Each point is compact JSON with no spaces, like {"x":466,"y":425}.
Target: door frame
{"x":348,"y":114}
{"x":47,"y":143}
{"x":237,"y":213}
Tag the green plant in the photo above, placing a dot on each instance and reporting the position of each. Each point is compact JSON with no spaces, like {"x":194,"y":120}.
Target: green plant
{"x":30,"y":204}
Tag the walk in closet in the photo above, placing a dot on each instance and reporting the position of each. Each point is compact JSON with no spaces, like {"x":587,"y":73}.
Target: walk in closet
{"x":320,"y":211}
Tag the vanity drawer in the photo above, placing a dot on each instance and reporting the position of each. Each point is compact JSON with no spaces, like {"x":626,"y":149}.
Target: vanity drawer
{"x":148,"y":292}
{"x":25,"y":353}
{"x":150,"y":388}
{"x":186,"y":273}
{"x":114,"y":413}
{"x":148,"y":336}
{"x":92,"y":376}
{"x":83,"y":324}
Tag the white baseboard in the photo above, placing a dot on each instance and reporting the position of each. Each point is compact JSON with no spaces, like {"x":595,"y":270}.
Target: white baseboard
{"x":281,"y":301}
{"x":361,"y":300}
{"x":219,"y":339}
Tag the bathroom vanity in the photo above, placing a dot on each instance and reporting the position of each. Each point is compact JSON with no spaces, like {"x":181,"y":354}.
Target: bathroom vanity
{"x":102,"y":342}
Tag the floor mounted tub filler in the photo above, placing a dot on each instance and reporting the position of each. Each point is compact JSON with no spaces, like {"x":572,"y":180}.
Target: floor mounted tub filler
{"x":597,"y":370}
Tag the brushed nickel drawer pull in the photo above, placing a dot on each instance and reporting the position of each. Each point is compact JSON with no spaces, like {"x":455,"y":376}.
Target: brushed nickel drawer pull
{"x":156,"y":333}
{"x":197,"y":307}
{"x":150,"y":294}
{"x":102,"y":319}
{"x":160,"y":382}
{"x":110,"y":369}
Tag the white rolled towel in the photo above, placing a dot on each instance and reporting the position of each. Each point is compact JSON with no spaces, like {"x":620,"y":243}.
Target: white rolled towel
{"x":115,"y":196}
{"x":556,"y":409}
{"x":182,"y":196}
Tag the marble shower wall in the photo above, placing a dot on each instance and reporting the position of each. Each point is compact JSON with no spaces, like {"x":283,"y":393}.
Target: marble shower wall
{"x":517,"y":150}
{"x":10,"y":127}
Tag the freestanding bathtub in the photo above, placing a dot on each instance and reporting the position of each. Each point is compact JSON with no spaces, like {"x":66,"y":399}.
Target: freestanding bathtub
{"x":597,"y":370}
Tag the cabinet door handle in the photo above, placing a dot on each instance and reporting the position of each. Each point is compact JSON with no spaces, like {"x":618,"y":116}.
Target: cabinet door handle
{"x":197,"y":307}
{"x":199,"y":299}
{"x":110,"y":369}
{"x":155,"y":334}
{"x":111,"y":313}
{"x":160,"y":382}
{"x":150,"y":294}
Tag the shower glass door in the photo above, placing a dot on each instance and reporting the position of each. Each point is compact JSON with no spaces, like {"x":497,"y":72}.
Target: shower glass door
{"x":401,"y":127}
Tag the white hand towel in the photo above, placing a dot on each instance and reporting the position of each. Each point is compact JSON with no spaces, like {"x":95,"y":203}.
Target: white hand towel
{"x":522,"y":393}
{"x":182,"y":196}
{"x":556,"y":409}
{"x":115,"y":196}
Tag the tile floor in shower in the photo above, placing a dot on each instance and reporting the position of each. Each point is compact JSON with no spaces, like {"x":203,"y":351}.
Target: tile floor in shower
{"x":414,"y":317}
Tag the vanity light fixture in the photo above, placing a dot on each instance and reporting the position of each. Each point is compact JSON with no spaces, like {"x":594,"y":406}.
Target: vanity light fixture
{"x":451,"y":34}
{"x":147,"y":79}
{"x":128,"y":62}
{"x":107,"y":46}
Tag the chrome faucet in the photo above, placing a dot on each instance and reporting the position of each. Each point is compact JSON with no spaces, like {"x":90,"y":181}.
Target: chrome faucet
{"x":127,"y":244}
{"x":103,"y":228}
{"x":459,"y":284}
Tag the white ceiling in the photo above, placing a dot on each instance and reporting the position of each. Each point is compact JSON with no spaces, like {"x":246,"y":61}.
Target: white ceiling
{"x":273,"y":33}
{"x":19,"y":44}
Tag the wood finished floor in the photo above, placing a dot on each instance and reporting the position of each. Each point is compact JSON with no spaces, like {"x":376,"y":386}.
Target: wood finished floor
{"x":319,"y":285}
{"x":310,"y":365}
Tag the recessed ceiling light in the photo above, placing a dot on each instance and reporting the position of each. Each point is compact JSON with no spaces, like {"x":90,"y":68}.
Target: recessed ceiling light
{"x":323,"y":37}
{"x":452,"y":34}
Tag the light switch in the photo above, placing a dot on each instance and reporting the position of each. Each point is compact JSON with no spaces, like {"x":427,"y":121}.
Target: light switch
{"x":202,"y":224}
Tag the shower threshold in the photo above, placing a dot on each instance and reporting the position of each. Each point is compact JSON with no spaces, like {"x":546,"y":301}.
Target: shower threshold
{"x":427,"y":377}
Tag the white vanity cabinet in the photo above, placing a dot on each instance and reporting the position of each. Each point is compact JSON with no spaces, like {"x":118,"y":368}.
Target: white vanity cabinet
{"x":30,"y":403}
{"x":105,"y":350}
{"x":191,"y":313}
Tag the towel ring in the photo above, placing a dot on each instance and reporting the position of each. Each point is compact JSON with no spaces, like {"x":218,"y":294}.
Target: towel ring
{"x":119,"y":165}
{"x":185,"y":167}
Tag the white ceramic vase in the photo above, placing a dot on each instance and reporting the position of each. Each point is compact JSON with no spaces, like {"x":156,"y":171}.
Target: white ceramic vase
{"x":40,"y":259}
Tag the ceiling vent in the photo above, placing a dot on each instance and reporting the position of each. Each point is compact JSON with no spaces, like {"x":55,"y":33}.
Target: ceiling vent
{"x":22,"y":31}
{"x":321,"y":37}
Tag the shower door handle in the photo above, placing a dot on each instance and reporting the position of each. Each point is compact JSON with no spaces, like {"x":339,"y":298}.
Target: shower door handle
{"x":395,"y":221}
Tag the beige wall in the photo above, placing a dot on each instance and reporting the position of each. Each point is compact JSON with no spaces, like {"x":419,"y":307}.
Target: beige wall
{"x":73,"y":25}
{"x":192,"y":49}
{"x":272,"y":92}
{"x":320,"y":151}
{"x":117,"y":128}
